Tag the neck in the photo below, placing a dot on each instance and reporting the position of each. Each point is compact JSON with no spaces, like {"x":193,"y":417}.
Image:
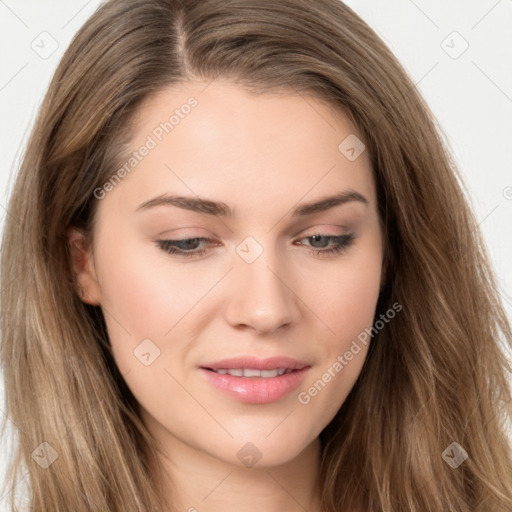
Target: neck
{"x":194,"y":481}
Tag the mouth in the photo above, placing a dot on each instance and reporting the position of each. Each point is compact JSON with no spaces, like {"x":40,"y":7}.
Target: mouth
{"x":256,"y":381}
{"x":252,"y":372}
{"x":251,"y":364}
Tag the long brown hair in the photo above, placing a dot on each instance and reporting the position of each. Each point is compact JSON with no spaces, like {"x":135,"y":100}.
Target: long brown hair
{"x":433,"y":376}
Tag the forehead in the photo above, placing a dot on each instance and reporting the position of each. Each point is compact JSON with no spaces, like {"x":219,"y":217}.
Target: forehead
{"x":220,"y":140}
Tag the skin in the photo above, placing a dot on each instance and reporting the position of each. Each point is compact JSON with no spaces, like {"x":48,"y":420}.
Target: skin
{"x":262,"y":156}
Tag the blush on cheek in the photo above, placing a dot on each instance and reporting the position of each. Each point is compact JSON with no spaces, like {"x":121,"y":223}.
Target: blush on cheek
{"x":346,"y":305}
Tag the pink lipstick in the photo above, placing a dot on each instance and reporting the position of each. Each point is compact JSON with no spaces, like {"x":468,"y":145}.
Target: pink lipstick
{"x":256,"y":381}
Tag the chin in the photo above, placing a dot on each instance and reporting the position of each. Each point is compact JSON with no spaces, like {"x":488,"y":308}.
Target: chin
{"x":260,"y":452}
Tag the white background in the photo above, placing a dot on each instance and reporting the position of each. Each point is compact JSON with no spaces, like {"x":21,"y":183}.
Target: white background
{"x":471,"y":95}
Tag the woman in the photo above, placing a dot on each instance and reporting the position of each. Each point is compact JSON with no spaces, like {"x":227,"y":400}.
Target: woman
{"x":247,"y":276}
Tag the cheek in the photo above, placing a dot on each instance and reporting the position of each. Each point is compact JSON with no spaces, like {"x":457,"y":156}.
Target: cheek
{"x":131,"y":293}
{"x":138,"y":300}
{"x":344,"y":295}
{"x":345,"y":300}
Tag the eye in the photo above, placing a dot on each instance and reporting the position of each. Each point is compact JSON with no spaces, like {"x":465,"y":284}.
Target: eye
{"x":185,"y":247}
{"x":341,"y":243}
{"x":190,"y":247}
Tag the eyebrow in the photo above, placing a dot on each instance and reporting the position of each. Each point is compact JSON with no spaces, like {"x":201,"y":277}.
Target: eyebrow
{"x":220,"y":209}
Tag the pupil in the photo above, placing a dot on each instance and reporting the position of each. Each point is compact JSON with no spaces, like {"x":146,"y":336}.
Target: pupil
{"x":188,"y":243}
{"x":317,"y":237}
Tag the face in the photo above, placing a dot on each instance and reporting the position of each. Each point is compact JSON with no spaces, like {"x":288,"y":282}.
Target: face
{"x":251,"y":270}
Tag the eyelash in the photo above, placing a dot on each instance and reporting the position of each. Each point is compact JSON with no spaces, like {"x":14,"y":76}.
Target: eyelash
{"x":342,"y":244}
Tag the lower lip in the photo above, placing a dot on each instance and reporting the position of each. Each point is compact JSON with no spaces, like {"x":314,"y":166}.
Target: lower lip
{"x":256,"y":390}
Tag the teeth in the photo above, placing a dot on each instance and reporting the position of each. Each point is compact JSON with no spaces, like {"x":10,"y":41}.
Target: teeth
{"x":251,"y":372}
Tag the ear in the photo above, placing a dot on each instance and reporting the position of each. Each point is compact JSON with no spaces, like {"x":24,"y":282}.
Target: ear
{"x":82,"y":264}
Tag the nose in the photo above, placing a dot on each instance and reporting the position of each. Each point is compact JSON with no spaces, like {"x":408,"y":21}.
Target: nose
{"x":262,"y":296}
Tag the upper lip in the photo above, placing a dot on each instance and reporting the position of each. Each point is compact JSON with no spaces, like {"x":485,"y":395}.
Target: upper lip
{"x":255,"y":363}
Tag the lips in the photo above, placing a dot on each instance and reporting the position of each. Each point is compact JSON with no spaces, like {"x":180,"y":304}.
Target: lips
{"x":256,"y":381}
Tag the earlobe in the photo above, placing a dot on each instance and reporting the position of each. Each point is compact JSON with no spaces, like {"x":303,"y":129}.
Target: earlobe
{"x":82,"y":266}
